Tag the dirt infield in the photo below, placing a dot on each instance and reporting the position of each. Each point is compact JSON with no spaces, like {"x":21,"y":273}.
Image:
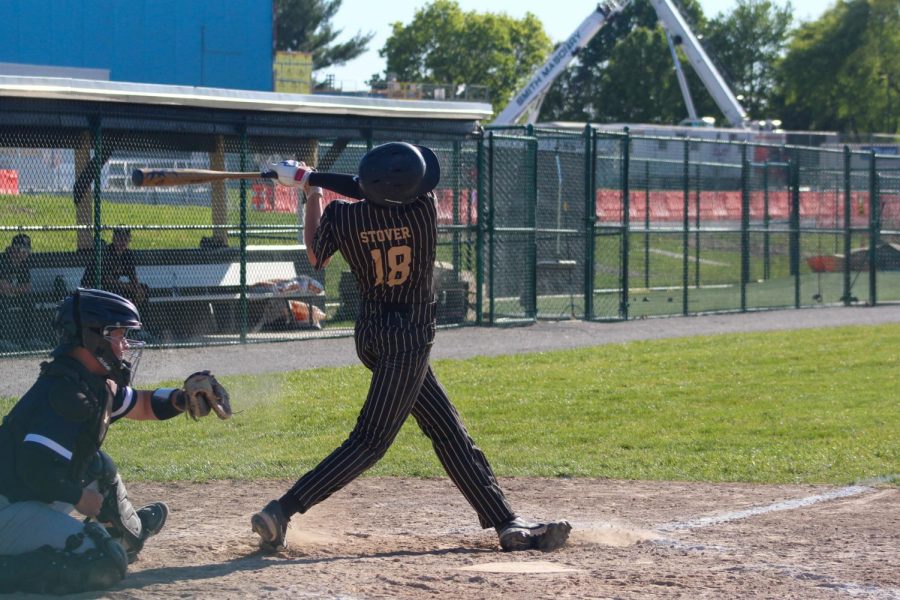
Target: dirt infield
{"x":388,"y":538}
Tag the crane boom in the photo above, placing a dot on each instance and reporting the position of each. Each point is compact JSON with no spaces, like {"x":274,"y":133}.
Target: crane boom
{"x":682,"y":80}
{"x":543,"y":77}
{"x":703,"y":66}
{"x":528,"y":99}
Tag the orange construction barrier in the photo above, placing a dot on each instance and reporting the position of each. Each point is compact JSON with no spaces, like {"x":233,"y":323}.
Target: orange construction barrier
{"x":9,"y":182}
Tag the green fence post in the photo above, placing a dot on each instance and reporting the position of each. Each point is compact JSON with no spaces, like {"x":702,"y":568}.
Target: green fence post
{"x":697,"y":227}
{"x":874,"y":227}
{"x":766,"y":220}
{"x":479,"y":231}
{"x":686,"y":225}
{"x":96,"y":166}
{"x":242,"y":303}
{"x":794,"y":227}
{"x":590,"y":217}
{"x":531,"y":219}
{"x":745,"y":225}
{"x":489,"y":211}
{"x":626,"y":221}
{"x":456,"y":233}
{"x":847,"y":232}
{"x":647,"y":223}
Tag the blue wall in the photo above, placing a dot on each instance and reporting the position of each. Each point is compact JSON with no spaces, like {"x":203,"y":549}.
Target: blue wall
{"x":212,"y":43}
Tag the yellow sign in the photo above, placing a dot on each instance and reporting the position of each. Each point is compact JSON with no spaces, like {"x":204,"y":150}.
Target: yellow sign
{"x":293,"y":72}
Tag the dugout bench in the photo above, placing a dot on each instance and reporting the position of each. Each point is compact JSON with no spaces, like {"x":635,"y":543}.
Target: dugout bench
{"x":197,"y":292}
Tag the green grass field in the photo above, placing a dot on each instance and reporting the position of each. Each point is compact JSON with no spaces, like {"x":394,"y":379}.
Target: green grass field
{"x":804,"y":406}
{"x":774,"y":293}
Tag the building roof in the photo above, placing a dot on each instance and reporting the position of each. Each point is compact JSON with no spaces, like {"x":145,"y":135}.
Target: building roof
{"x":57,"y":88}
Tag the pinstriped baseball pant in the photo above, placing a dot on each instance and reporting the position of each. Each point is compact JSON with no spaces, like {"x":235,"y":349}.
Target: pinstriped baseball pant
{"x":396,"y":346}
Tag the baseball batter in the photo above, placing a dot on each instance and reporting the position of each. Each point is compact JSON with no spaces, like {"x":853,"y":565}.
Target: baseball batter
{"x":389,"y":239}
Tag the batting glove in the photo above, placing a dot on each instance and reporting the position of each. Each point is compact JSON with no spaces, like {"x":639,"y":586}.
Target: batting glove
{"x":292,"y":173}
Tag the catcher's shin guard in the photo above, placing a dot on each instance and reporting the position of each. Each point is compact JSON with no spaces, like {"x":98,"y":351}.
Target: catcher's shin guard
{"x":131,"y":527}
{"x":519,"y":534}
{"x":52,"y":571}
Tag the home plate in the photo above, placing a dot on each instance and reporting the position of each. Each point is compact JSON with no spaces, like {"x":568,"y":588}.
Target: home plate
{"x":520,"y":567}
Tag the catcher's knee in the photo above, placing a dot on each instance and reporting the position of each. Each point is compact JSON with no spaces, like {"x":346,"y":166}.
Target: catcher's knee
{"x":53,"y":571}
{"x":101,"y":469}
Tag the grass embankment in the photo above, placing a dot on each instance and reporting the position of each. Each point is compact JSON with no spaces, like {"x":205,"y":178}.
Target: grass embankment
{"x":798,"y":406}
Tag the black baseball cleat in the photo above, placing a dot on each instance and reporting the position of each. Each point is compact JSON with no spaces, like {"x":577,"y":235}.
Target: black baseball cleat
{"x":153,"y":518}
{"x":519,"y":534}
{"x":270,"y":524}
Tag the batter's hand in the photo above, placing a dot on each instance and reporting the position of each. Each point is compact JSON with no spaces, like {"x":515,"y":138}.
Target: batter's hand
{"x":292,"y":173}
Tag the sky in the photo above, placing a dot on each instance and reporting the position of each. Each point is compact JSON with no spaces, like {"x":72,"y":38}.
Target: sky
{"x":560,"y":19}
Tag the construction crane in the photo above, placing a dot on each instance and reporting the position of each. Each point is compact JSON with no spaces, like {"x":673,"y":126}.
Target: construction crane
{"x":712,"y":80}
{"x":682,"y":79}
{"x":526,"y":103}
{"x":528,"y":100}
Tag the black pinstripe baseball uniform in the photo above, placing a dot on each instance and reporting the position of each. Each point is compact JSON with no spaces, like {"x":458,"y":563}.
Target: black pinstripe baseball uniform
{"x":391,"y":251}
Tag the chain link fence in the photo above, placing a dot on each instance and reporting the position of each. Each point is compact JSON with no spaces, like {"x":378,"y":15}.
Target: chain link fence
{"x":533,"y":224}
{"x":680,"y":226}
{"x":884,"y":248}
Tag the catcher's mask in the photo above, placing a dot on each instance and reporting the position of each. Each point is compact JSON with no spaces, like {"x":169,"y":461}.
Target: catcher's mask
{"x":92,"y":319}
{"x":397,"y":173}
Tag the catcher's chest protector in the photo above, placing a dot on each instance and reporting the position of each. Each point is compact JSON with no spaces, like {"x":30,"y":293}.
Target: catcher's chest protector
{"x":86,"y":405}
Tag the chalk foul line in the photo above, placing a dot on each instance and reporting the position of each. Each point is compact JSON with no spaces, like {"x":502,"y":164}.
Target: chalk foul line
{"x":853,"y":490}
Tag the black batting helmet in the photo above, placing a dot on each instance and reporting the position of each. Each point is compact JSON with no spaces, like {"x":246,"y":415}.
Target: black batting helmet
{"x":397,"y":173}
{"x":85,"y":317}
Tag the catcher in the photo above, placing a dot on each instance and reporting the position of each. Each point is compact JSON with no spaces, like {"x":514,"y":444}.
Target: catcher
{"x":50,"y":457}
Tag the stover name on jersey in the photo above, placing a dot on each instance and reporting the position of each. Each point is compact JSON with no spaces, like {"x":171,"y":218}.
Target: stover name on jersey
{"x":384,"y":235}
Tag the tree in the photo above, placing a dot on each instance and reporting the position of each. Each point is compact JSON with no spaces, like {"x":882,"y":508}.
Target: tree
{"x":625,"y":74}
{"x":303,"y":26}
{"x":842,"y":72}
{"x":747,"y":43}
{"x":445,"y":45}
{"x":651,"y":94}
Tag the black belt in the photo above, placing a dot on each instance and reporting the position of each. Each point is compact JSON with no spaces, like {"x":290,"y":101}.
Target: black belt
{"x":396,"y":307}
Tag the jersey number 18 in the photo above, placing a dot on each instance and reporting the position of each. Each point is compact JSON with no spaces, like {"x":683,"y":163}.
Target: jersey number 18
{"x":397,"y":265}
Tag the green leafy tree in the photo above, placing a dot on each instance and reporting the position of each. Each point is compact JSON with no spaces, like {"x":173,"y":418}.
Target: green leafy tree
{"x":747,"y":44}
{"x":842,"y":72}
{"x":625,"y":74}
{"x":651,"y":94}
{"x":304,"y":26}
{"x":445,"y":45}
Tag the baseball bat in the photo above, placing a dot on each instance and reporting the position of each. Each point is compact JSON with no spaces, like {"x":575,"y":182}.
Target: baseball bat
{"x":169,"y":177}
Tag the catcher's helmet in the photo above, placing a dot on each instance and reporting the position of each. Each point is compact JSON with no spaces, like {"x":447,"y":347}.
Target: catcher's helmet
{"x":397,"y":173}
{"x":85,"y":318}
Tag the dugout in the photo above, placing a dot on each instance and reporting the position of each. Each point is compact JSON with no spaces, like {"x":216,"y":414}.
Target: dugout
{"x":77,"y":140}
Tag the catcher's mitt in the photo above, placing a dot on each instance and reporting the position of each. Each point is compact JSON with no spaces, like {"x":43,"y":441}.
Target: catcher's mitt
{"x":202,"y":394}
